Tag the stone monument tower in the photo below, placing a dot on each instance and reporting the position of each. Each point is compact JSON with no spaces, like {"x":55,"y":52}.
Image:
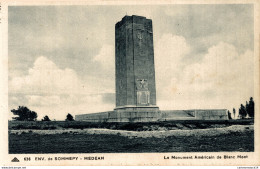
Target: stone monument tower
{"x":135,"y":75}
{"x":135,"y":80}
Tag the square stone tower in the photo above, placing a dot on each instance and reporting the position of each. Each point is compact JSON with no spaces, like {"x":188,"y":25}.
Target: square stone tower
{"x":135,"y":74}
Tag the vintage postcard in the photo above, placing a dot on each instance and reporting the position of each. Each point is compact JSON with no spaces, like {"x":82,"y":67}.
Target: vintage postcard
{"x":129,"y":83}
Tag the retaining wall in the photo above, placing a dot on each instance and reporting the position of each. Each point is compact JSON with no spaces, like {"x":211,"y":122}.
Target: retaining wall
{"x":149,"y":115}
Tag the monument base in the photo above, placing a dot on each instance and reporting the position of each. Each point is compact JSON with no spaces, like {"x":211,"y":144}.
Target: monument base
{"x":135,"y":114}
{"x":151,"y":114}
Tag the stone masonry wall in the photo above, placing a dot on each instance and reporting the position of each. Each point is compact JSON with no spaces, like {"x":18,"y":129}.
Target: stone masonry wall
{"x":152,"y":114}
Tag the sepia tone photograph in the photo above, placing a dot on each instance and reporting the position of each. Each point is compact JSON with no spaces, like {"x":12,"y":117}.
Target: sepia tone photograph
{"x":136,"y":78}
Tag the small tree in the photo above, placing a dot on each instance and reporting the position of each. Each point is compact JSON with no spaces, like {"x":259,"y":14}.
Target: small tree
{"x":69,"y":117}
{"x":24,"y":114}
{"x":251,"y":108}
{"x":46,"y":118}
{"x":234,"y":113}
{"x":247,"y":107}
{"x":229,"y":115}
{"x":242,"y":111}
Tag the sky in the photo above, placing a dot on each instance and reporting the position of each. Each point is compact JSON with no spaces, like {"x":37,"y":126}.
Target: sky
{"x":62,"y":58}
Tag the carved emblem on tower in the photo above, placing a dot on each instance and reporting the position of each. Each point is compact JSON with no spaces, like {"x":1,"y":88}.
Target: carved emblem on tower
{"x":143,"y":94}
{"x":141,"y":84}
{"x":140,"y":43}
{"x":139,"y":35}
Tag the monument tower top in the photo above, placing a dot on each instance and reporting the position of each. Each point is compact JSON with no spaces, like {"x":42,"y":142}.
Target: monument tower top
{"x":133,"y":19}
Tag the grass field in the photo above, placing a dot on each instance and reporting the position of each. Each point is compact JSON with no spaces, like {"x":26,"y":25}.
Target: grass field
{"x":84,"y":137}
{"x":96,"y":143}
{"x":145,"y":126}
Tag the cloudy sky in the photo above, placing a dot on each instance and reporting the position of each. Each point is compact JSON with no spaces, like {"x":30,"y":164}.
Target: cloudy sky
{"x":61,"y":58}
